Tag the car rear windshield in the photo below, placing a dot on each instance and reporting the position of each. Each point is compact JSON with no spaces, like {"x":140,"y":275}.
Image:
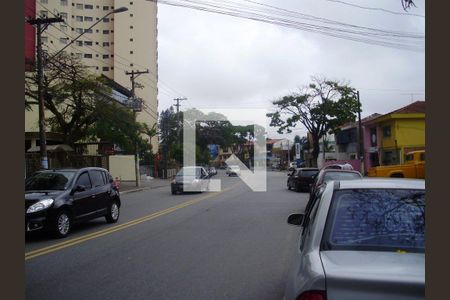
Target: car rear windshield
{"x":45,"y":181}
{"x":309,"y":173}
{"x":376,"y":219}
{"x":189,"y":172}
{"x":340,"y":176}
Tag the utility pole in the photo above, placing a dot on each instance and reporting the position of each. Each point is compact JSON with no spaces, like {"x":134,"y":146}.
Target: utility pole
{"x":361,"y":145}
{"x":137,"y":106}
{"x":178,"y":103}
{"x":41,"y":25}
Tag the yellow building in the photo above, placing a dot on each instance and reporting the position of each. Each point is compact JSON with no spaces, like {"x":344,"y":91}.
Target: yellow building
{"x":398,"y":133}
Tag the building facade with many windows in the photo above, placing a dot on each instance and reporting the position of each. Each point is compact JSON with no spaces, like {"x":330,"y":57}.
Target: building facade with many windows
{"x":119,"y":43}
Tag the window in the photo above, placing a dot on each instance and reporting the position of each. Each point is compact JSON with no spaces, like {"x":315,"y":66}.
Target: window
{"x":96,"y":55}
{"x":87,"y":55}
{"x":105,"y":68}
{"x":63,"y":40}
{"x":63,"y":27}
{"x":373,"y":137}
{"x":63,"y":16}
{"x":131,"y":39}
{"x":79,"y":30}
{"x":43,"y":14}
{"x":106,"y":20}
{"x":96,"y":43}
{"x":376,"y":220}
{"x":131,"y":65}
{"x":105,"y":44}
{"x":79,"y":6}
{"x":88,"y":6}
{"x":88,"y":30}
{"x":131,"y":27}
{"x":63,"y":2}
{"x":131,"y":3}
{"x":79,"y":55}
{"x":97,"y":178}
{"x":88,"y":43}
{"x":88,"y":19}
{"x":422,"y":156}
{"x":386,"y":131}
{"x":105,"y":7}
{"x":131,"y":15}
{"x":105,"y":56}
{"x":84,"y":180}
{"x":79,"y":19}
{"x":79,"y":43}
{"x":44,"y":39}
{"x":105,"y":31}
{"x":44,"y":1}
{"x":409,"y":157}
{"x":131,"y":52}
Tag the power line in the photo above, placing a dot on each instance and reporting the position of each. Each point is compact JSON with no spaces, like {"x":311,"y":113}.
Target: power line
{"x":116,"y":55}
{"x":287,"y":18}
{"x":377,"y":9}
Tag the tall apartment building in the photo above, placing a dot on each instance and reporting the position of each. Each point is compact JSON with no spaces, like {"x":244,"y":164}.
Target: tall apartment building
{"x":120,"y":43}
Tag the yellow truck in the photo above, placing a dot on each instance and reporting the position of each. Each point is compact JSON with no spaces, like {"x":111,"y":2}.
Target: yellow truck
{"x":414,"y":167}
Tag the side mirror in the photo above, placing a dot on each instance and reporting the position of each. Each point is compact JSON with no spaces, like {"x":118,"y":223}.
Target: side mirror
{"x":295,"y":219}
{"x":79,"y":188}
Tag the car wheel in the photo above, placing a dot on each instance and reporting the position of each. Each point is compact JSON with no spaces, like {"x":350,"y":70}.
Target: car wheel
{"x":62,"y":224}
{"x":113,"y":212}
{"x":174,"y":191}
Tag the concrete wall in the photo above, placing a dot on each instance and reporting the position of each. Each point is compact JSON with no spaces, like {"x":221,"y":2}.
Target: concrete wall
{"x":122,"y":166}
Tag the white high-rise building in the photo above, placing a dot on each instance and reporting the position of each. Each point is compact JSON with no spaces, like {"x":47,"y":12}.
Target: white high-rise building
{"x":121,"y":42}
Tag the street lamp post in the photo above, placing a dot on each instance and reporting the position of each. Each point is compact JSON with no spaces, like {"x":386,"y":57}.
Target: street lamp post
{"x":40,"y":73}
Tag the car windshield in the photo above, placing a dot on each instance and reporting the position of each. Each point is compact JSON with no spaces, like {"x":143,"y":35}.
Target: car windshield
{"x":45,"y":181}
{"x":189,"y":172}
{"x":377,"y":220}
{"x":340,"y":176}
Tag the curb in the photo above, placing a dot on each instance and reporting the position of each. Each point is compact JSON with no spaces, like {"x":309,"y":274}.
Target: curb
{"x":142,"y":189}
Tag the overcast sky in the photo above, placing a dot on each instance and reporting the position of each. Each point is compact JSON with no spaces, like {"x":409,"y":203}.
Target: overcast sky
{"x":226,"y":62}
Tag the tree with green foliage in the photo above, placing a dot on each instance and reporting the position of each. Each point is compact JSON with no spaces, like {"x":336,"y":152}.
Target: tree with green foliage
{"x":321,"y":107}
{"x":82,"y":107}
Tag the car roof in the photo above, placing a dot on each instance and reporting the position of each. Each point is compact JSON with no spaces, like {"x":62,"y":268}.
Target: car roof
{"x":307,"y":169}
{"x":382,"y":183}
{"x":339,"y":171}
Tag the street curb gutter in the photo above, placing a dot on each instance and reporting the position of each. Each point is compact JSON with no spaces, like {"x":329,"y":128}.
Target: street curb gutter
{"x":142,"y":189}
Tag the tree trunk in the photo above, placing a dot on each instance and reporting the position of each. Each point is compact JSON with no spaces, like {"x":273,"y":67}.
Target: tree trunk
{"x":316,"y":149}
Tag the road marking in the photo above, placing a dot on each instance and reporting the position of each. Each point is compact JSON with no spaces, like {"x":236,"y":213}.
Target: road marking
{"x":74,"y":241}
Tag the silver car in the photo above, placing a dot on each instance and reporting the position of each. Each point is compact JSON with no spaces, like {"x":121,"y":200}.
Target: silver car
{"x":190,"y":179}
{"x":361,"y":239}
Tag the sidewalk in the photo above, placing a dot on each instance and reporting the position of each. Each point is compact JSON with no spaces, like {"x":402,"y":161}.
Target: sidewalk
{"x":145,"y":184}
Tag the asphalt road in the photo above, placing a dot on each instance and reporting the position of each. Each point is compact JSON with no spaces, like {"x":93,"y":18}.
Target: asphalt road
{"x":235,"y":244}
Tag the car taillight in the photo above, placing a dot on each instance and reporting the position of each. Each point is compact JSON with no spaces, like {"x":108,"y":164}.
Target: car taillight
{"x":312,"y":295}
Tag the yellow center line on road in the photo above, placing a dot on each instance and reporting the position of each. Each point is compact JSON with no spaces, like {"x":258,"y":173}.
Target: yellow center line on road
{"x":74,"y":241}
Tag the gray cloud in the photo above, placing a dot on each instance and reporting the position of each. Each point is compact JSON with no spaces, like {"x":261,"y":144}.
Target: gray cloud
{"x":223,"y":61}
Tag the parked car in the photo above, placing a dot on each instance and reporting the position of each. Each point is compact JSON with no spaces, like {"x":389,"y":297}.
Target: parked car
{"x":362,"y":239}
{"x":233,"y":170}
{"x":414,"y":167}
{"x":326,"y":175}
{"x":301,"y":178}
{"x":190,"y":179}
{"x":57,"y":199}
